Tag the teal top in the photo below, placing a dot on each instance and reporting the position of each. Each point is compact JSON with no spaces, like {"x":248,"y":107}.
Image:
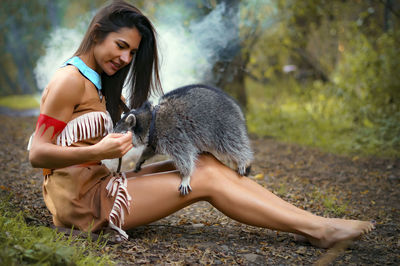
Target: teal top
{"x":87,"y":72}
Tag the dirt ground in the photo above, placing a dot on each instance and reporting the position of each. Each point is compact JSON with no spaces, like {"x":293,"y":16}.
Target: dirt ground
{"x":325,"y":184}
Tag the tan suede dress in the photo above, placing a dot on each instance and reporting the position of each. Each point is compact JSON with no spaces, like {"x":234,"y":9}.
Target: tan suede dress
{"x":86,"y":196}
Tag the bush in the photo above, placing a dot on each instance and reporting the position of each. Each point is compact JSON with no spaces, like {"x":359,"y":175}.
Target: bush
{"x":368,"y":77}
{"x":318,"y":115}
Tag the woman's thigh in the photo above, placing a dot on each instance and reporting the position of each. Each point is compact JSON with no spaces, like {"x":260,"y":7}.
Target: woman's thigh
{"x":156,"y":195}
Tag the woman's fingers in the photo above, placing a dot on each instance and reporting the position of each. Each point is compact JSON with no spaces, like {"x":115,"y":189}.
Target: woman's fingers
{"x":128,"y":148}
{"x":120,"y":135}
{"x":121,"y":138}
{"x":116,"y":145}
{"x":127,"y":142}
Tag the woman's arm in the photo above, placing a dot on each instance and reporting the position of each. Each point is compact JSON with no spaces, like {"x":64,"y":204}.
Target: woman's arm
{"x":63,"y":93}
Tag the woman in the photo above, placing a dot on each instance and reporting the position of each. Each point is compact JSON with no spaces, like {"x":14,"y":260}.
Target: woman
{"x":73,"y":135}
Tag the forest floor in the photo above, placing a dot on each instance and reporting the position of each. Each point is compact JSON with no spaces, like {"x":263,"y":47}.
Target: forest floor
{"x":325,"y":184}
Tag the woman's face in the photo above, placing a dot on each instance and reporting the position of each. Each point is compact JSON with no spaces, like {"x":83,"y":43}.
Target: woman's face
{"x":116,"y":50}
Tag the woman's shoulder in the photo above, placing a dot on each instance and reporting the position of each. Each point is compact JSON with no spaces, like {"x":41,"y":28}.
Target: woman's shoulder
{"x":67,"y":83}
{"x":68,"y":76}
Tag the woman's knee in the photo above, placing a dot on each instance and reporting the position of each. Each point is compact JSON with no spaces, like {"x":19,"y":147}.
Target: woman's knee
{"x":209,"y":172}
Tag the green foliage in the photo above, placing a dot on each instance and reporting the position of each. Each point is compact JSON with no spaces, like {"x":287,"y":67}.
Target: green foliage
{"x":357,"y":107}
{"x":368,"y":77}
{"x":20,"y":102}
{"x":22,"y":244}
{"x":369,"y":71}
{"x":331,"y":203}
{"x":315,"y":114}
{"x":24,"y":24}
{"x":25,"y":27}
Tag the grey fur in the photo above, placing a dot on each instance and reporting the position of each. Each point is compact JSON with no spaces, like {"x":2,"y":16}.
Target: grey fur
{"x":191,"y":120}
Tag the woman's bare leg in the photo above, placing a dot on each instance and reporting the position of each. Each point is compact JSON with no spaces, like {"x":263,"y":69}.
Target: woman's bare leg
{"x":156,"y":196}
{"x":167,"y":166}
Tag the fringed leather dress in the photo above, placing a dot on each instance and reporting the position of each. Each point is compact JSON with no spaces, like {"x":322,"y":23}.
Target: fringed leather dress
{"x":86,"y":196}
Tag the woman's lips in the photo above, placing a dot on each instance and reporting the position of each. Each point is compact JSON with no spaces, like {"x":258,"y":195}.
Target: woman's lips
{"x":115,"y":66}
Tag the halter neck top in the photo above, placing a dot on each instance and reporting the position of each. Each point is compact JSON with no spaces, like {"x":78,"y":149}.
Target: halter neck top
{"x":87,"y":72}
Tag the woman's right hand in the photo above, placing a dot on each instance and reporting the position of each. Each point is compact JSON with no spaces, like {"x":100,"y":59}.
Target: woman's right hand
{"x":114,"y":145}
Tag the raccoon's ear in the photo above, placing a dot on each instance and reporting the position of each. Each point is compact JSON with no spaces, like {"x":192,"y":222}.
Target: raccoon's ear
{"x":131,"y":120}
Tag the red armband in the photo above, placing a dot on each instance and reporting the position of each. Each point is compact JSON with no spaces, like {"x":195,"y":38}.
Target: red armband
{"x":50,"y":122}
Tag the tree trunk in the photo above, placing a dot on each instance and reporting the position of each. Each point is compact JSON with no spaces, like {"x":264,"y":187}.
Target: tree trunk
{"x":227,"y":72}
{"x":9,"y":85}
{"x":230,"y":77}
{"x":23,"y":61}
{"x":386,"y":15}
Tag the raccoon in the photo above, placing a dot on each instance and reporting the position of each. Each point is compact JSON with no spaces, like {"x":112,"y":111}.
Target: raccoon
{"x":188,"y":121}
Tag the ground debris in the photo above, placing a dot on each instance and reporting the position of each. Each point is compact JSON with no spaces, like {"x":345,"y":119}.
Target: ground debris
{"x":325,"y":184}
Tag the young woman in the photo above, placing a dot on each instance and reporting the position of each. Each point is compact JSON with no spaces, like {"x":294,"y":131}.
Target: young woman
{"x":73,"y":134}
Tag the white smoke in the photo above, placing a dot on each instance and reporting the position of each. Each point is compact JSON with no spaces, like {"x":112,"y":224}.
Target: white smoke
{"x":187,"y":52}
{"x":59,"y":47}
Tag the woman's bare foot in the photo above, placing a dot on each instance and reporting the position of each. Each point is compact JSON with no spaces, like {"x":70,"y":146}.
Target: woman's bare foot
{"x":337,"y":230}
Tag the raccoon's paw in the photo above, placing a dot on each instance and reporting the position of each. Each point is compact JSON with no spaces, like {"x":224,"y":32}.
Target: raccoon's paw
{"x":243,"y":170}
{"x":185,"y":187}
{"x":138,"y":166}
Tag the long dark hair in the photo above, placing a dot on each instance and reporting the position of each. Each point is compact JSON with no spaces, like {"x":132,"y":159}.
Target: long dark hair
{"x":141,"y":75}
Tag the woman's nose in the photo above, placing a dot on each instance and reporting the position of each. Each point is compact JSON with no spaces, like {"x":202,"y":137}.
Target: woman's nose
{"x":126,"y":57}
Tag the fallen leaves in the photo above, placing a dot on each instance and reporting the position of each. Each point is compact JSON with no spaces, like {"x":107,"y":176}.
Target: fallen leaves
{"x":200,"y":234}
{"x":259,"y":176}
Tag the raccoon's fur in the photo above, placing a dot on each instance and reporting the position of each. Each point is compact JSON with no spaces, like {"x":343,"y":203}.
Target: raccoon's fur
{"x":186,"y":122}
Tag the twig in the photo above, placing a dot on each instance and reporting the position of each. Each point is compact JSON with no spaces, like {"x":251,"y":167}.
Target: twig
{"x":333,"y":253}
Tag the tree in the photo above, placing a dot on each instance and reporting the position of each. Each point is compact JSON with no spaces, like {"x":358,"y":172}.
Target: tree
{"x":24,"y":25}
{"x":229,"y":70}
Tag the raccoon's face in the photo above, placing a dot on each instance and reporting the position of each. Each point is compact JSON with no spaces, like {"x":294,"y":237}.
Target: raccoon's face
{"x":134,"y":122}
{"x":127,"y":123}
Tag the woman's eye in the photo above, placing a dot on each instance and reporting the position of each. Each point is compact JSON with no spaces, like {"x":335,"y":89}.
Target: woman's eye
{"x":119,"y":45}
